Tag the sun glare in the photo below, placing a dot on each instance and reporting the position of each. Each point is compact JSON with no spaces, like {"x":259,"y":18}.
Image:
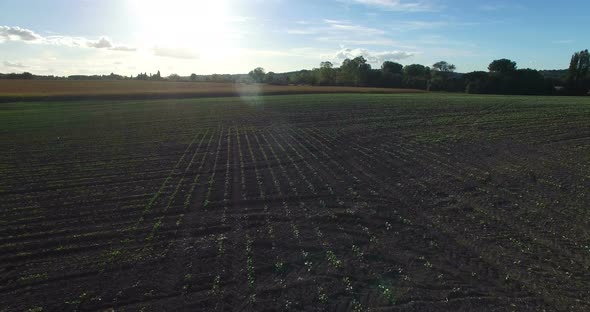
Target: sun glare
{"x":200,"y":26}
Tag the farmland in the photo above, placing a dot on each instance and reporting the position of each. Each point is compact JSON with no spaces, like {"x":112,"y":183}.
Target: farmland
{"x":18,"y":90}
{"x":407,"y":202}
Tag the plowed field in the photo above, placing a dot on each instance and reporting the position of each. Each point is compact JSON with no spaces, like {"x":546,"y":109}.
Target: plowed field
{"x":300,"y":202}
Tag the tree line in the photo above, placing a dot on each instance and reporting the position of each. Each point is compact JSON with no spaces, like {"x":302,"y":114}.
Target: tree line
{"x":502,"y":77}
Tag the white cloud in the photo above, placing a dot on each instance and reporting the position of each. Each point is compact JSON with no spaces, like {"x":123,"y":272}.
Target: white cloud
{"x":103,"y":42}
{"x":106,"y":43}
{"x":371,"y":56}
{"x":345,"y":26}
{"x":358,"y":42}
{"x":180,"y":53}
{"x":76,"y":42}
{"x":397,"y":5}
{"x":14,"y":65}
{"x":309,"y":31}
{"x":18,"y":34}
{"x":357,"y":28}
{"x":343,"y":33}
{"x":333,"y":21}
{"x":336,"y":27}
{"x":8,"y":33}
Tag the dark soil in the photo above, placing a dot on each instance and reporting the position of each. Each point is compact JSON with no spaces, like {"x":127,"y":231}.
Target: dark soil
{"x":318,"y":202}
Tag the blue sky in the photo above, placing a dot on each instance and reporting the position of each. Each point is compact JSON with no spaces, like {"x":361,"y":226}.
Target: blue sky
{"x":66,"y":37}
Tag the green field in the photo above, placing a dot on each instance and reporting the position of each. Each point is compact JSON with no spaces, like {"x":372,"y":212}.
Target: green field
{"x":408,"y":202}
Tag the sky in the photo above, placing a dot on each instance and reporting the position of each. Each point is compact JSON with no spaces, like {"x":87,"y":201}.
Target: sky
{"x":69,"y":37}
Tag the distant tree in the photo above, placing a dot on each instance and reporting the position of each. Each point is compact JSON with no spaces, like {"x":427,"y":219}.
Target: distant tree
{"x":215,"y":78}
{"x":364,"y":71}
{"x":158,"y":76}
{"x":327,"y":65}
{"x":443,"y":66}
{"x":521,"y":81}
{"x":303,"y":77}
{"x":142,"y":76}
{"x":193,"y":77}
{"x":269,"y":77}
{"x":276,"y":79}
{"x":354,"y":72}
{"x":376,"y":79}
{"x":391,"y":74}
{"x":346,"y":73}
{"x":476,"y":82}
{"x":578,"y":73}
{"x":442,"y":78}
{"x":416,"y":71}
{"x":326,"y":74}
{"x":113,"y":76}
{"x":174,"y":77}
{"x":389,"y":67}
{"x":27,"y":75}
{"x":416,"y":76}
{"x":257,"y":74}
{"x":530,"y":82}
{"x":502,"y":66}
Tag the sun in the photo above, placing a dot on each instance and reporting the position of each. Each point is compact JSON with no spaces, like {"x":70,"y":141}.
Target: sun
{"x":198,"y":25}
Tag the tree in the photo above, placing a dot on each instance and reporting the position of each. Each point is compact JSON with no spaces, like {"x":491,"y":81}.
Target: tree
{"x":326,"y":74}
{"x":269,"y":77}
{"x":364,"y":71}
{"x":257,"y":74}
{"x":389,"y":67}
{"x":502,"y":66}
{"x":476,"y":82}
{"x":442,"y":78}
{"x":416,"y":71}
{"x":327,"y":65}
{"x":521,"y":81}
{"x":142,"y":76}
{"x":174,"y":77}
{"x":276,"y":79}
{"x":355,"y":72}
{"x":416,"y":76}
{"x":302,"y":77}
{"x":530,"y":82}
{"x":391,"y":74}
{"x":579,"y":69}
{"x":376,"y":79}
{"x":443,"y":66}
{"x":193,"y":77}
